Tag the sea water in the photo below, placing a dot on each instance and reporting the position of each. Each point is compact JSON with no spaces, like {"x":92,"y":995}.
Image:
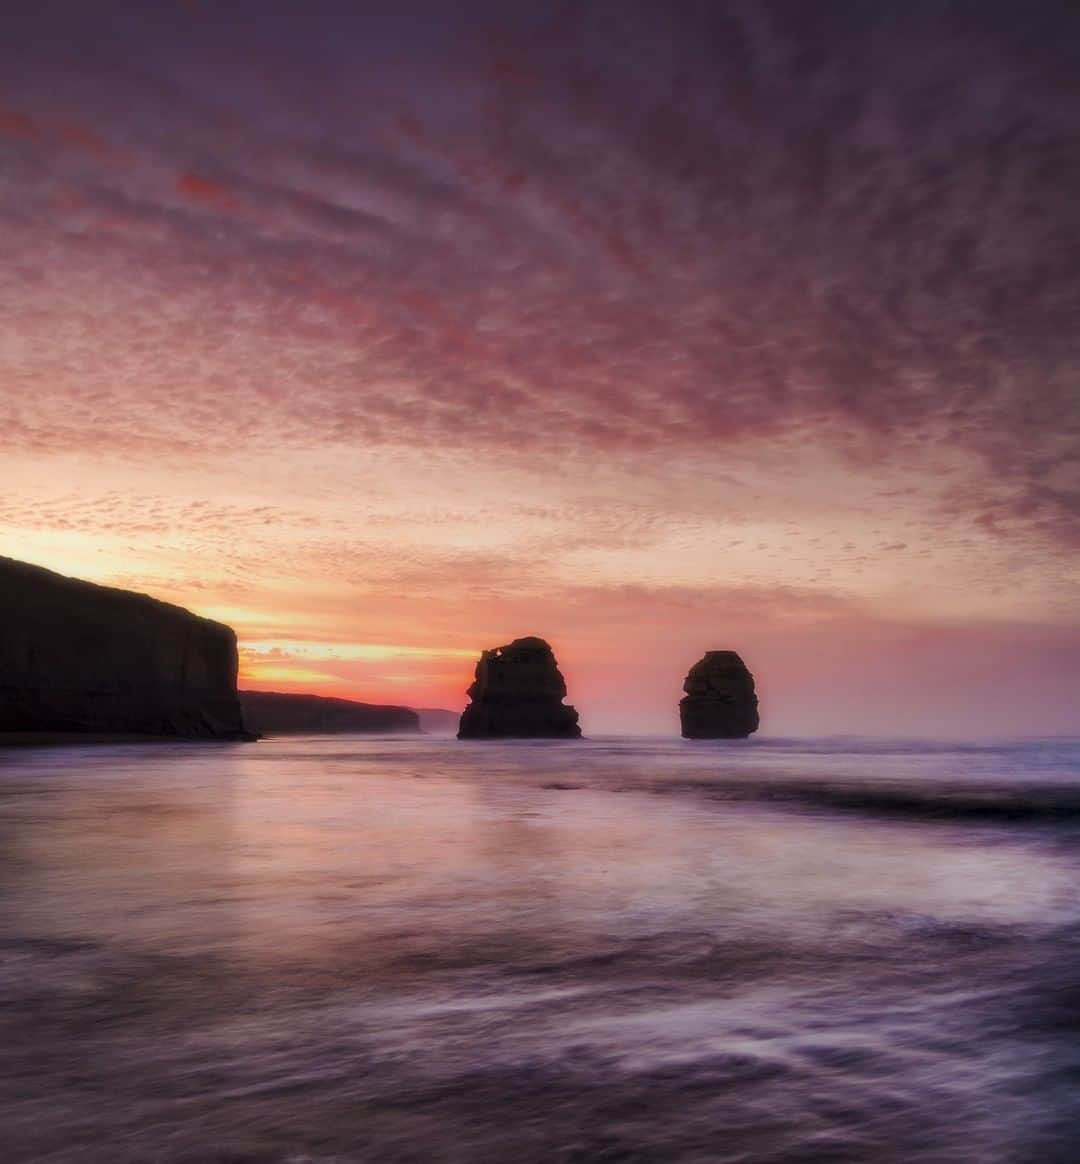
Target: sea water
{"x":415,"y":949}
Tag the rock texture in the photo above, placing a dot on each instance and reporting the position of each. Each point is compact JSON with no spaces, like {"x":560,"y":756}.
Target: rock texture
{"x":279,"y":713}
{"x":720,"y":702}
{"x":75,"y":657}
{"x":518,"y":693}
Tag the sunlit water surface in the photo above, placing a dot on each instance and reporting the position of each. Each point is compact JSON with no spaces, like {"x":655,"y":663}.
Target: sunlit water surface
{"x":347,"y":949}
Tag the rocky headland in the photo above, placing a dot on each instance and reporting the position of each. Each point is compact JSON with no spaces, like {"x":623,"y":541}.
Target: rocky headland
{"x":80,"y":658}
{"x":281,"y":713}
{"x":518,"y":694}
{"x":720,"y":701}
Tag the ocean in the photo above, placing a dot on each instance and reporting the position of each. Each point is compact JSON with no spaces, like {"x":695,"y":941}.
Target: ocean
{"x":335,"y":949}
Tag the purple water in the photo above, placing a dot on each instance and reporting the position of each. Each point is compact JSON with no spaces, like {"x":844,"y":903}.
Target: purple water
{"x":347,"y":949}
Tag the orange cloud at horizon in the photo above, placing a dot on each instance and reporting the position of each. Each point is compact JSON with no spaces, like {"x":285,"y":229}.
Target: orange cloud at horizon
{"x":850,"y":622}
{"x":385,"y":365}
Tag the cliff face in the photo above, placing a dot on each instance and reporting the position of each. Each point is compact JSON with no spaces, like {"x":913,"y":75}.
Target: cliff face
{"x":518,"y":693}
{"x":279,"y":713}
{"x":720,"y":701}
{"x":83,"y":658}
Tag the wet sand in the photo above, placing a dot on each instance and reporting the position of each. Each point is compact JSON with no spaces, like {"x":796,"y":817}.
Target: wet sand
{"x":416,"y":950}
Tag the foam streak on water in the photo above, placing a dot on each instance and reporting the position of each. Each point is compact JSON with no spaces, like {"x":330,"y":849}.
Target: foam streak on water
{"x":422,"y":950}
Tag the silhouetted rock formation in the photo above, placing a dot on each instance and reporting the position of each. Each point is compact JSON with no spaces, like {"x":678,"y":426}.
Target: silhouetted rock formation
{"x":282,"y":713}
{"x":518,"y":693}
{"x":75,"y":657}
{"x":438,"y":721}
{"x":720,"y":703}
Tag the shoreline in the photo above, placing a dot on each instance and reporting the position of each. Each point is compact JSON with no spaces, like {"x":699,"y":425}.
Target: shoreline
{"x":59,"y":739}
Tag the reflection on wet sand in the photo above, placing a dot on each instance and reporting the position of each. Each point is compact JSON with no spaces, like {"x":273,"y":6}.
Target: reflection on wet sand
{"x":413,"y":950}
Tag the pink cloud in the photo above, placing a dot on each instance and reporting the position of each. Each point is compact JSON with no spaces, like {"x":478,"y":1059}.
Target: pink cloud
{"x":202,"y":188}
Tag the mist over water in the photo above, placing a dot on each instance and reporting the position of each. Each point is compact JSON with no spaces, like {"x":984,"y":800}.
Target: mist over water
{"x":346,"y":949}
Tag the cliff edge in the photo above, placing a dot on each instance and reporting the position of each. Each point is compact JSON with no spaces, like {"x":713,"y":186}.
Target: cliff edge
{"x":77,"y":657}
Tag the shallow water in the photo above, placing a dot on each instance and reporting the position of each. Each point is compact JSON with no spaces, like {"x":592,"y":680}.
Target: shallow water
{"x":347,"y":949}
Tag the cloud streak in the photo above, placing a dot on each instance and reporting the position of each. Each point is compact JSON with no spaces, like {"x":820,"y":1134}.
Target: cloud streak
{"x":718,"y":289}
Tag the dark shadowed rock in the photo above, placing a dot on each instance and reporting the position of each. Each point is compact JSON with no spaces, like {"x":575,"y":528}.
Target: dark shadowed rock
{"x":720,"y":702}
{"x":75,"y":657}
{"x":518,"y":693}
{"x":283,"y":713}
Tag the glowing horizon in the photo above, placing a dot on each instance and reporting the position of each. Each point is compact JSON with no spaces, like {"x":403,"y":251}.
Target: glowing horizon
{"x":469,"y":328}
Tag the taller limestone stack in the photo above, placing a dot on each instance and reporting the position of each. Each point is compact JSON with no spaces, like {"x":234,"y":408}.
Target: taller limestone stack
{"x":75,"y":657}
{"x":720,"y":701}
{"x":518,"y":694}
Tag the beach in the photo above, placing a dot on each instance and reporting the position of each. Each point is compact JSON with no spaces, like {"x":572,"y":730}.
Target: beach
{"x":416,"y":949}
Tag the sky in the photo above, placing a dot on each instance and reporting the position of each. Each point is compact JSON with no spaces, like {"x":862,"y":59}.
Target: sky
{"x":390,"y":332}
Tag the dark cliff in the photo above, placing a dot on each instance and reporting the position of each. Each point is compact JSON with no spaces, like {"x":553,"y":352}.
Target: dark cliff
{"x":518,"y":693}
{"x":282,"y":713}
{"x":720,"y":701}
{"x":76,"y":657}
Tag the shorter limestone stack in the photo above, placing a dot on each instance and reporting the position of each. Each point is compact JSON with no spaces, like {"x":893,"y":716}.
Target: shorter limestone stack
{"x":720,"y":702}
{"x":518,"y":694}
